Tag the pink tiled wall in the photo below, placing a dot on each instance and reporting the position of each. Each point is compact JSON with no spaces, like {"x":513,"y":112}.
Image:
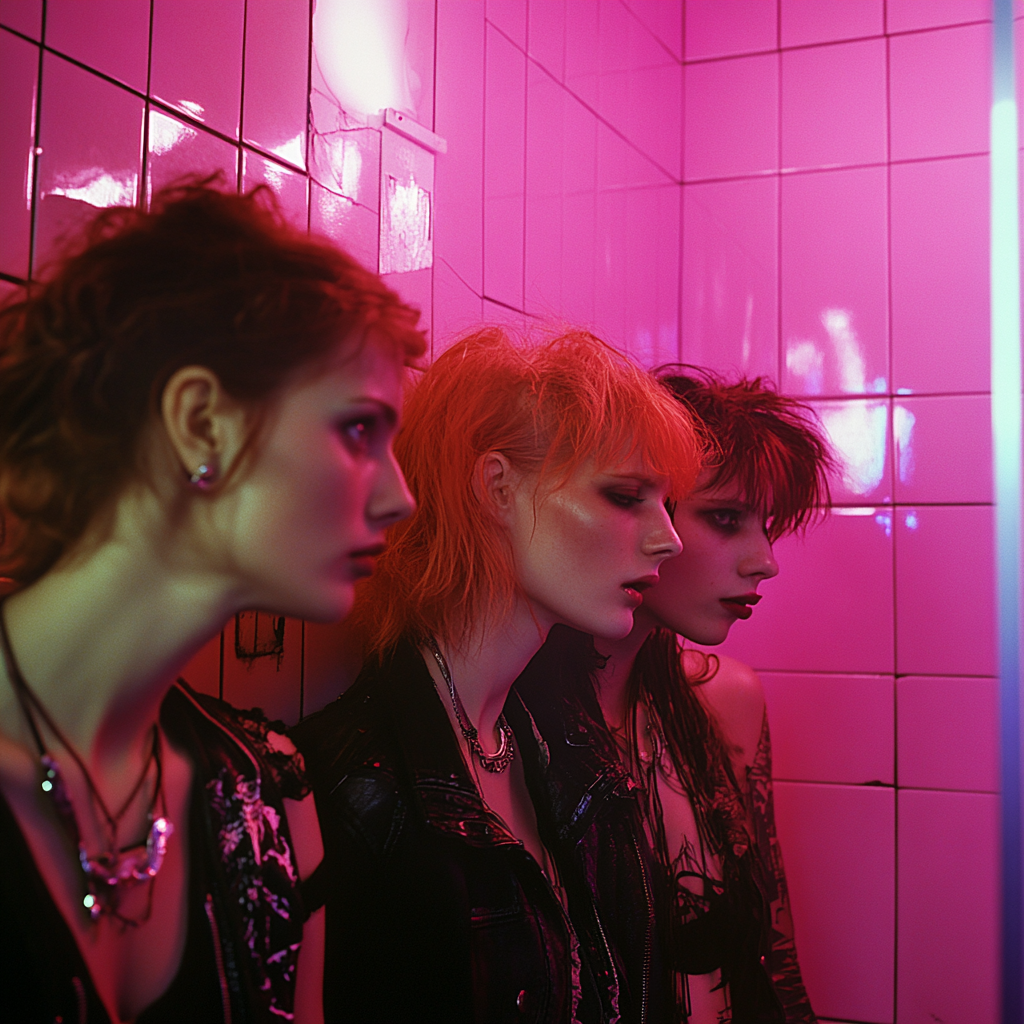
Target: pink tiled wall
{"x":795,"y":188}
{"x":859,"y":263}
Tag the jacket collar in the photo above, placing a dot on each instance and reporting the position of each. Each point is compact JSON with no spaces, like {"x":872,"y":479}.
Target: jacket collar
{"x":576,"y":777}
{"x":443,"y":789}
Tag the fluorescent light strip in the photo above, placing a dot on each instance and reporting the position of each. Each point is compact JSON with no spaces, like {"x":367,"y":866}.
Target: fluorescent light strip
{"x":1006,"y":434}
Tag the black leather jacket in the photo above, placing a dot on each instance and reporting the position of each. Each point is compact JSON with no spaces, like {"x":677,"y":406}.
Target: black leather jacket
{"x":245,"y":912}
{"x":435,"y":912}
{"x":590,"y":820}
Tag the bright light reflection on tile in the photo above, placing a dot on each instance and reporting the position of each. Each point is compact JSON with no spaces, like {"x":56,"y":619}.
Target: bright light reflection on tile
{"x":903,"y":421}
{"x":166,"y":132}
{"x":294,"y":150}
{"x":806,"y":359}
{"x":857,"y":431}
{"x":197,"y":110}
{"x":406,"y":228}
{"x":96,"y":187}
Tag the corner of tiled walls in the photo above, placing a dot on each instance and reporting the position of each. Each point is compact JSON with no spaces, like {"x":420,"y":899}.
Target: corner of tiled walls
{"x":559,"y":199}
{"x":796,"y":188}
{"x":835,"y":237}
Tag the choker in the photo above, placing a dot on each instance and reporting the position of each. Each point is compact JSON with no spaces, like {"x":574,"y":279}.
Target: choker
{"x":495,"y":763}
{"x":118,"y":868}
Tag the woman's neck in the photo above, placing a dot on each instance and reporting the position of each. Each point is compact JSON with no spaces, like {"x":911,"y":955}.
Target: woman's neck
{"x":100,"y":637}
{"x":485,"y":665}
{"x":613,"y":679}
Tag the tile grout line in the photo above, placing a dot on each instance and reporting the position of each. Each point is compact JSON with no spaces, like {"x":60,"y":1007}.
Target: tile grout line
{"x":239,"y":161}
{"x":37,"y":129}
{"x":828,"y":43}
{"x":895,"y":530}
{"x":144,"y":192}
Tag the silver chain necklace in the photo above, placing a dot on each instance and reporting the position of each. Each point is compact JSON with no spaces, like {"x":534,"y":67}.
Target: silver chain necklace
{"x":496,"y":763}
{"x":108,"y":874}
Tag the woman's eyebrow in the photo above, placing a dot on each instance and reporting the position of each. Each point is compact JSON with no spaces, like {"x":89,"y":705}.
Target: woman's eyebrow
{"x":633,"y":478}
{"x":388,"y":411}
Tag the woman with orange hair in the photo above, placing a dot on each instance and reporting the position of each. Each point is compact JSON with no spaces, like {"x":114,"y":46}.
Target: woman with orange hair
{"x":540,"y":474}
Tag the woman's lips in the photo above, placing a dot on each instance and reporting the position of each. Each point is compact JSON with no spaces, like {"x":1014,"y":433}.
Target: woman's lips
{"x":635,"y":588}
{"x":364,"y":561}
{"x":741,"y":607}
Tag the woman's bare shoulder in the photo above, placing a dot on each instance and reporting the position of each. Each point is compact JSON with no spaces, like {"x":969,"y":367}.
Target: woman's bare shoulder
{"x":735,"y":696}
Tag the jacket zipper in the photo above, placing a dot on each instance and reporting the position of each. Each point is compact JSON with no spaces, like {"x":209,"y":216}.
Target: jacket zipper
{"x":218,"y":956}
{"x":650,"y":927}
{"x":611,"y":968}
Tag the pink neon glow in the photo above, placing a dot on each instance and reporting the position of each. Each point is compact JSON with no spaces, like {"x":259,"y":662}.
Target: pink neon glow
{"x":766,"y":187}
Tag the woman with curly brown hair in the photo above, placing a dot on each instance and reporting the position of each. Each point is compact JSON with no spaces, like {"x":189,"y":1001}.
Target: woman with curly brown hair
{"x":196,"y":412}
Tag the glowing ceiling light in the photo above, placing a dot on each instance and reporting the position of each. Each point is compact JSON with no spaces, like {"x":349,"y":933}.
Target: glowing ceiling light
{"x":360,"y":50}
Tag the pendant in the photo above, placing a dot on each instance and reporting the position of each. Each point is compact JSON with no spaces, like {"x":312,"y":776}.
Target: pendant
{"x":107,"y":872}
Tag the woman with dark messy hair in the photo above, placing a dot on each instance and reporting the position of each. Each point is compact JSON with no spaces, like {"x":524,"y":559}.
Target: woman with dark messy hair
{"x":196,"y":411}
{"x":691,"y":728}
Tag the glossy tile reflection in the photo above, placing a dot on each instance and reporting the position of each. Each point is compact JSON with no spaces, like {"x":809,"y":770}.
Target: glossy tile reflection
{"x":91,"y":141}
{"x":20,"y":61}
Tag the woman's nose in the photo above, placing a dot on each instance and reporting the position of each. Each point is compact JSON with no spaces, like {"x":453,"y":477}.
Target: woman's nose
{"x":391,"y":500}
{"x":759,"y":560}
{"x":662,"y":539}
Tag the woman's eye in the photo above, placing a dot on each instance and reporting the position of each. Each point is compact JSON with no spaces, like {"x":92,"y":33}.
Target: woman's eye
{"x":624,"y":500}
{"x":358,"y":433}
{"x":725,"y":518}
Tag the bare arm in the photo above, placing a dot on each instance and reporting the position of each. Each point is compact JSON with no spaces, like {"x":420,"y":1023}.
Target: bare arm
{"x":735,"y":696}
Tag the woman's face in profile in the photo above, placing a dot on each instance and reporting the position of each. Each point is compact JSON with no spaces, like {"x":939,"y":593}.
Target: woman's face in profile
{"x":726,"y":554}
{"x":585,"y":552}
{"x":312,"y":504}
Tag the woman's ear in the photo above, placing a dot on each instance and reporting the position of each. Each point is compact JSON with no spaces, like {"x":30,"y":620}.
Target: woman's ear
{"x":205,"y":425}
{"x":497,"y":482}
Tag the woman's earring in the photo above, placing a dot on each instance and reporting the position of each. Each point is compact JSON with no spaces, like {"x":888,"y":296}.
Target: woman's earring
{"x":203,"y":477}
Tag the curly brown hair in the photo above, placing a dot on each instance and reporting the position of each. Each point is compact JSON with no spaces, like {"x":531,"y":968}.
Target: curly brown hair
{"x":204,"y":277}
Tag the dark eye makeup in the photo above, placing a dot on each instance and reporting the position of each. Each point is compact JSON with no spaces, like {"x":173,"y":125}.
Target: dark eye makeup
{"x":726,"y":519}
{"x":623,"y":499}
{"x":359,"y":432}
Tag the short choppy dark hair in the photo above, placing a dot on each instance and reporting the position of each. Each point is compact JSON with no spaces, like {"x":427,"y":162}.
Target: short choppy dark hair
{"x":204,"y":277}
{"x":770,"y":445}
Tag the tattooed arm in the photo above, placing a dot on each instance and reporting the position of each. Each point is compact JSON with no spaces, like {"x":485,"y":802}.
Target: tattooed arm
{"x":785,"y":970}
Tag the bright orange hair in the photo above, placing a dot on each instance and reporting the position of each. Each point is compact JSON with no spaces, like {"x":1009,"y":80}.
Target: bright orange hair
{"x":548,"y":408}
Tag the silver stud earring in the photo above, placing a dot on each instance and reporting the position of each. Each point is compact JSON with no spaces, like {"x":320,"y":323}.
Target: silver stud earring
{"x":203,"y":477}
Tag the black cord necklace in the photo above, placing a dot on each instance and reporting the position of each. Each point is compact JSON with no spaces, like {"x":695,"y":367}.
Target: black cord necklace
{"x":118,"y":868}
{"x":495,"y":763}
